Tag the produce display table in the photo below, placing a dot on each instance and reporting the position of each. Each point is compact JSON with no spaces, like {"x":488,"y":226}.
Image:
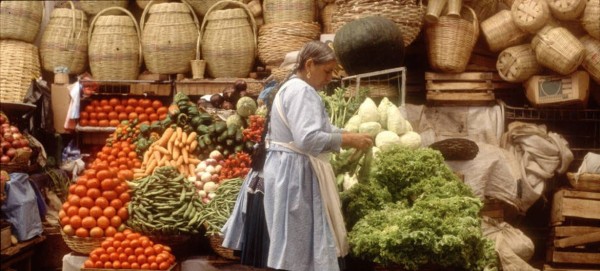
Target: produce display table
{"x":20,"y":254}
{"x":73,"y":262}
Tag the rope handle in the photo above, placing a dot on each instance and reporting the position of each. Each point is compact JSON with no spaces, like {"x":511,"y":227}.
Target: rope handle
{"x":220,"y":5}
{"x":137,"y":28}
{"x":475,"y":24}
{"x":147,"y":8}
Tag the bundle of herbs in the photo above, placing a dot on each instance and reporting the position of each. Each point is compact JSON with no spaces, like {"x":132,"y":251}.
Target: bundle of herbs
{"x":414,"y":212}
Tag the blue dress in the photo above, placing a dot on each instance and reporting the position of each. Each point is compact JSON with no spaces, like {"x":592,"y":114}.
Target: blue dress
{"x":300,"y":237}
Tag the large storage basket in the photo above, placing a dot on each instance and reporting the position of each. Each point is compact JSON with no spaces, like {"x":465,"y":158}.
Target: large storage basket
{"x":19,"y":66}
{"x":516,"y":64}
{"x":327,"y":18}
{"x":215,"y":242}
{"x":407,"y":14}
{"x":93,"y":7}
{"x":143,"y":3}
{"x":590,"y":16}
{"x":169,"y":37}
{"x":530,"y":15}
{"x":591,"y":62}
{"x":276,"y":11}
{"x":451,"y":40}
{"x":115,"y":51}
{"x":228,"y":40}
{"x":501,"y":32}
{"x":556,"y":48}
{"x":64,"y":41}
{"x":276,"y":40}
{"x":567,"y":10}
{"x":483,"y":8}
{"x":202,"y":6}
{"x":20,"y":20}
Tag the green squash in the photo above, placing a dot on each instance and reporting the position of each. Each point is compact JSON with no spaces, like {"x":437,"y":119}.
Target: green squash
{"x":369,"y":44}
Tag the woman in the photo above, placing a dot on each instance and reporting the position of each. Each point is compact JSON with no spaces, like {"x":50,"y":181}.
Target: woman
{"x":301,"y":204}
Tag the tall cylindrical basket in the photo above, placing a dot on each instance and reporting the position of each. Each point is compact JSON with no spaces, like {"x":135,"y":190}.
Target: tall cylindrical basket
{"x":169,"y":37}
{"x":115,"y":50}
{"x":591,"y":62}
{"x":590,"y":16}
{"x":64,"y":41}
{"x":517,"y":63}
{"x":501,"y":32}
{"x":450,"y":42}
{"x":19,"y":66}
{"x":228,"y":40}
{"x":20,"y":20}
{"x":275,"y":11}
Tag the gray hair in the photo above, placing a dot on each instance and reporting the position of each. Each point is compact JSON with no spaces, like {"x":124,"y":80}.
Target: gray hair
{"x":318,"y":51}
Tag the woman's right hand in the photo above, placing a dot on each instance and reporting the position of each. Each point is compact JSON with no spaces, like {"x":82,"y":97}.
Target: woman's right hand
{"x":359,"y":141}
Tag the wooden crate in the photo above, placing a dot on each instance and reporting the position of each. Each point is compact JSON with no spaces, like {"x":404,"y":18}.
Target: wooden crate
{"x":493,"y":208}
{"x":199,"y":87}
{"x":467,"y":88}
{"x":571,"y":204}
{"x":585,"y":182}
{"x":573,"y":245}
{"x":568,"y":268}
{"x":134,"y":87}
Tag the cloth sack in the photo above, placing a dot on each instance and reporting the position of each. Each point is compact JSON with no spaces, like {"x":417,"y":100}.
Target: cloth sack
{"x":513,"y":247}
{"x":21,"y":207}
{"x":590,"y":164}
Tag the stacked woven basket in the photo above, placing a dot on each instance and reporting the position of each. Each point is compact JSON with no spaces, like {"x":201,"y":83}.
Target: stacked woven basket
{"x":289,"y":24}
{"x":20,"y":21}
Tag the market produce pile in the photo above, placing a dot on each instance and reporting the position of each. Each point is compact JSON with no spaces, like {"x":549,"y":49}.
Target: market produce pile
{"x":402,"y":204}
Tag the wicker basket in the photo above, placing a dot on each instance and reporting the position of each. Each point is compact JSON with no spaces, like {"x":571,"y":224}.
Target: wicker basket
{"x":202,"y":6}
{"x":590,"y":16}
{"x":20,"y":20}
{"x":228,"y":40}
{"x":64,"y":41}
{"x":407,"y":14}
{"x":93,"y":7}
{"x":276,"y":11}
{"x":450,"y":42}
{"x":279,"y":74}
{"x":255,"y":8}
{"x":169,"y":37}
{"x":175,"y":242}
{"x":143,"y":3}
{"x":215,"y":241}
{"x":567,"y":10}
{"x":483,"y":8}
{"x":19,"y":66}
{"x":516,"y":64}
{"x":83,"y":245}
{"x":115,"y":51}
{"x":276,"y":40}
{"x":530,"y":15}
{"x":556,"y":48}
{"x":434,"y":10}
{"x":327,"y":18}
{"x":501,"y":32}
{"x":591,"y":62}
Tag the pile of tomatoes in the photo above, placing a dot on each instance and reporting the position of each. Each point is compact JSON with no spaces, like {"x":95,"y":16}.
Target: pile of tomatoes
{"x":110,"y":112}
{"x":130,"y":250}
{"x":97,"y":202}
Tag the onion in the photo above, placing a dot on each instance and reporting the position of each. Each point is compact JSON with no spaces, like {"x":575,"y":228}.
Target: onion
{"x":5,"y":159}
{"x":212,"y":195}
{"x":210,"y":162}
{"x":215,"y":178}
{"x":218,"y":168}
{"x":240,"y":85}
{"x":205,"y":177}
{"x":217,"y":155}
{"x":14,"y":129}
{"x":209,"y":187}
{"x":202,"y":193}
{"x":5,"y":145}
{"x":210,"y":169}
{"x":7,"y":136}
{"x":11,"y":152}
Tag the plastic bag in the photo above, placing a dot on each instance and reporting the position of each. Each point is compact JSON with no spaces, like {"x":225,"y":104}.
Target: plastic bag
{"x":21,"y":207}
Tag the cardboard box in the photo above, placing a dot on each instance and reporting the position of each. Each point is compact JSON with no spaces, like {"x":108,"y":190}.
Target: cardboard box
{"x":558,"y":90}
{"x":60,"y":105}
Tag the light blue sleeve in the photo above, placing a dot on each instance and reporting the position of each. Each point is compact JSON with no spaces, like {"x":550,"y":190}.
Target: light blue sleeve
{"x":309,"y":123}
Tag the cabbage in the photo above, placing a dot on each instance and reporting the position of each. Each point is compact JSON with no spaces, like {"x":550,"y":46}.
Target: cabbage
{"x":410,"y":140}
{"x":395,"y":123}
{"x":368,"y":111}
{"x":372,"y":128}
{"x":386,"y":138}
{"x":234,"y":119}
{"x":382,"y":109}
{"x":245,"y":106}
{"x":352,"y":124}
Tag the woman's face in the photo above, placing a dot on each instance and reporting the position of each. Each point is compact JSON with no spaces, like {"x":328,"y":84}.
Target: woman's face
{"x":321,"y":74}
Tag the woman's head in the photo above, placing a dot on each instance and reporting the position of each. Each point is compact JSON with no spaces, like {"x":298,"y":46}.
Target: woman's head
{"x":316,"y":63}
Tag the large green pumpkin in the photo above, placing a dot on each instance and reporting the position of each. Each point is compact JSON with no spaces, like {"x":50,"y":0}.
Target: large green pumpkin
{"x":369,"y":44}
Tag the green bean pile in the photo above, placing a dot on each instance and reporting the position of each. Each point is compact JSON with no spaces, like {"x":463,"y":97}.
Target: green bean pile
{"x":218,"y":210}
{"x":164,"y":203}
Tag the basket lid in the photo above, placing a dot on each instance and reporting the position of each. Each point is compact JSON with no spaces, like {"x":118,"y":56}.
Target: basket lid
{"x":114,"y":20}
{"x":225,"y":14}
{"x":68,"y":13}
{"x":169,"y":8}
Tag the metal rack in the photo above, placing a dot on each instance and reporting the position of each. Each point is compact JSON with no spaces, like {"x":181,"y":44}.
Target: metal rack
{"x":580,"y":127}
{"x":384,"y":83}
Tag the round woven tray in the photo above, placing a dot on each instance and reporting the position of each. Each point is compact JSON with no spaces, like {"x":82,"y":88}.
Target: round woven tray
{"x":83,"y":245}
{"x":173,"y":241}
{"x":215,"y":241}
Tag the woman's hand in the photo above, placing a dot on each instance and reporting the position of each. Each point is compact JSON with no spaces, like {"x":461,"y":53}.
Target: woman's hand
{"x":359,"y":141}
